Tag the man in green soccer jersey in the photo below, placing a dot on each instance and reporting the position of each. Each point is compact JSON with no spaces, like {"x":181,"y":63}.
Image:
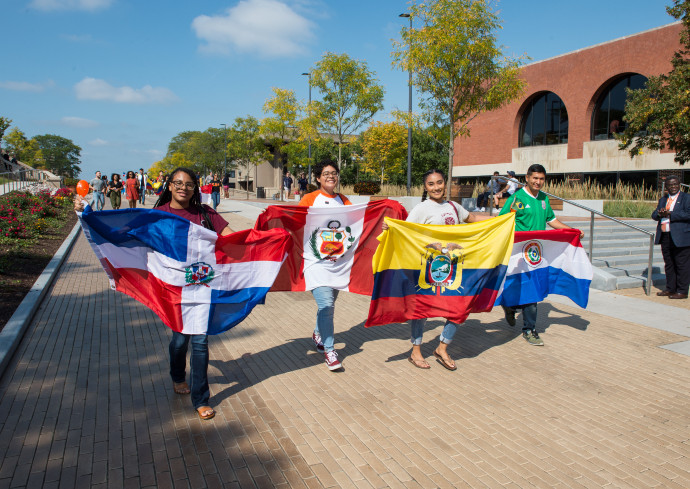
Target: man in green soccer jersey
{"x":532,"y":213}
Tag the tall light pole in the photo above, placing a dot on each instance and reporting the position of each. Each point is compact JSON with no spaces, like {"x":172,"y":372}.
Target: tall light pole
{"x":409,"y":122}
{"x":225,"y":149}
{"x":309,"y":114}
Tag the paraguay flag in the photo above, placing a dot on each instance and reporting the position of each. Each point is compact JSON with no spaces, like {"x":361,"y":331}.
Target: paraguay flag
{"x":424,"y":271}
{"x":332,"y":246}
{"x":547,"y":262}
{"x":196,"y":281}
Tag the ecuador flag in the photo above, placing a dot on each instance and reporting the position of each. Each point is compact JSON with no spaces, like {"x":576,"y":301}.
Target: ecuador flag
{"x":423,"y":271}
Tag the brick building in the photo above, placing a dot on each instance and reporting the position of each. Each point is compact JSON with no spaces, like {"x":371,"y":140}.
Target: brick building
{"x":572,"y":107}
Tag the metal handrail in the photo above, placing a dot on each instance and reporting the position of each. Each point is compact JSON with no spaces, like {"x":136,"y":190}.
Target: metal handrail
{"x":18,"y":179}
{"x":648,"y":286}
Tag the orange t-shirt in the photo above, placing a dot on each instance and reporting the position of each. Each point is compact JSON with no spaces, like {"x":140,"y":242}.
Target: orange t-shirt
{"x":319,"y":198}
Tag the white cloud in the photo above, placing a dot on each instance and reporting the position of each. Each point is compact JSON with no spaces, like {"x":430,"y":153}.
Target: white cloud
{"x":89,"y":5}
{"x":78,"y":122}
{"x":268,"y":28}
{"x":94,"y":89}
{"x":21,"y":86}
{"x":99,"y":142}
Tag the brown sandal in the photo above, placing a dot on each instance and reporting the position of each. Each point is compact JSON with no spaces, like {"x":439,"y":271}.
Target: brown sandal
{"x":182,"y":388}
{"x":442,"y":361}
{"x":205,"y":412}
{"x":419,"y":363}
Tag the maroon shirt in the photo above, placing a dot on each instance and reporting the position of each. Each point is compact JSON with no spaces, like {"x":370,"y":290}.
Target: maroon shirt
{"x":193,"y":214}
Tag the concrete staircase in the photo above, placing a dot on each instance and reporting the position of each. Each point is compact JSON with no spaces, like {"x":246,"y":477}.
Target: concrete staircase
{"x":621,"y":254}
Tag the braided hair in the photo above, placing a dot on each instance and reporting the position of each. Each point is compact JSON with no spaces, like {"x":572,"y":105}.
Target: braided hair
{"x":166,"y":194}
{"x":426,"y":174}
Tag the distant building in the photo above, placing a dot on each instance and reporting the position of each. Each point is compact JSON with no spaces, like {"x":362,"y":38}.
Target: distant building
{"x":569,"y":113}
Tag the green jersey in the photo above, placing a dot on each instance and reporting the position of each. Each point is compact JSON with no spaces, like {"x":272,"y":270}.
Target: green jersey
{"x":531,"y":213}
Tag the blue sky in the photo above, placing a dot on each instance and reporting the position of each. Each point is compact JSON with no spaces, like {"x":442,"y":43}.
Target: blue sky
{"x":122,"y":77}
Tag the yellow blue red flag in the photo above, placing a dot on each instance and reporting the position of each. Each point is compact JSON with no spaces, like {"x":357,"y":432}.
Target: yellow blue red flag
{"x":423,"y":271}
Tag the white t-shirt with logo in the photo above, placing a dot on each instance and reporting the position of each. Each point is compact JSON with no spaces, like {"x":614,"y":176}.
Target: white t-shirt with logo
{"x":431,"y":212}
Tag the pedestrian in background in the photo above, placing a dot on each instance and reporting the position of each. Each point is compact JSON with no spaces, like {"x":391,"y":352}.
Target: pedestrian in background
{"x":115,"y":191}
{"x":97,"y":185}
{"x":132,"y":189}
{"x":673,"y":233}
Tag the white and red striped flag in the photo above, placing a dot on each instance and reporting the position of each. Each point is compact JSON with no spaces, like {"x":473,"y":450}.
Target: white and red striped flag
{"x":332,"y":246}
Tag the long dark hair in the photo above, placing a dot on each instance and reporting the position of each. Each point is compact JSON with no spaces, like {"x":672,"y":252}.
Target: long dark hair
{"x":166,"y":194}
{"x":426,"y":174}
{"x":112,"y":177}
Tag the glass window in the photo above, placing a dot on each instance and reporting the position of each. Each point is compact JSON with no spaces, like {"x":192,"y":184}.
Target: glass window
{"x":607,"y":119}
{"x":545,"y":121}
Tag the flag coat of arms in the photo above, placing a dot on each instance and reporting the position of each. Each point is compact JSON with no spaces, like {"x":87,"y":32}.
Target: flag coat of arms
{"x":332,"y":246}
{"x":423,"y":271}
{"x":547,"y":262}
{"x":196,"y":281}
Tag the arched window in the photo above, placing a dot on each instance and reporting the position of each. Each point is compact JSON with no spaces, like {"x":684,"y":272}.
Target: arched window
{"x":607,"y":119}
{"x":545,"y":121}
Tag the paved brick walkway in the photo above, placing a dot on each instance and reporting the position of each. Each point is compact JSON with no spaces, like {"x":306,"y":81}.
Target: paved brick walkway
{"x":87,"y":401}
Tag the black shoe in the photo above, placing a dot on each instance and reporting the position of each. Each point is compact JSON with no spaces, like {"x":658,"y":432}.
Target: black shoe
{"x":510,"y":316}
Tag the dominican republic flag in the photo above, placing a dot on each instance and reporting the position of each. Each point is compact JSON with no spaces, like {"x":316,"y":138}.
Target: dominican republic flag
{"x":424,"y":271}
{"x":196,"y":281}
{"x":547,"y":262}
{"x":332,"y":246}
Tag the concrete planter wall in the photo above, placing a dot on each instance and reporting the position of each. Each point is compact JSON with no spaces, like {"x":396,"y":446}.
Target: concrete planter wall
{"x":573,"y":211}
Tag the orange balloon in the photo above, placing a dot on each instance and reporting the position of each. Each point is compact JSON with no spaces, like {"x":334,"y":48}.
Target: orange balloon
{"x":83,"y":188}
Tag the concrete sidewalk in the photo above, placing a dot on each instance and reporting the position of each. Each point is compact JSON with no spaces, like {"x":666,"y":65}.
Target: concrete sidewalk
{"x":87,"y":399}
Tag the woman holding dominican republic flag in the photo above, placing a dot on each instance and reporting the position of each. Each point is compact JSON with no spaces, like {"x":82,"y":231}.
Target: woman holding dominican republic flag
{"x":326,"y":174}
{"x":435,"y":210}
{"x":181,"y":197}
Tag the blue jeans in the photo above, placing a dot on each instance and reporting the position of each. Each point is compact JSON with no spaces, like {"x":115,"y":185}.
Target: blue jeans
{"x":529,"y":315}
{"x":215,"y":197}
{"x":325,"y":302}
{"x":417,"y":329}
{"x":142,"y":195}
{"x":99,"y":200}
{"x":198,"y":362}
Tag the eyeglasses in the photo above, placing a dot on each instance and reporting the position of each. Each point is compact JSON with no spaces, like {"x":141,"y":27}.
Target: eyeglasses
{"x":178,"y":184}
{"x":329,"y":173}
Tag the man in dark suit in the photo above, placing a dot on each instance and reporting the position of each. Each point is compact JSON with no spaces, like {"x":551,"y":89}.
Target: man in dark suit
{"x":673,"y":232}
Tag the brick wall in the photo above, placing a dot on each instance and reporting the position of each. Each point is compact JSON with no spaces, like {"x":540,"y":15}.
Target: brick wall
{"x":578,"y":78}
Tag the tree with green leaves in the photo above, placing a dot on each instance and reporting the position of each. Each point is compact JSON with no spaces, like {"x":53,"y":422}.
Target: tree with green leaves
{"x":4,"y":125}
{"x":350,"y":96}
{"x":280,"y":129}
{"x":60,"y":155}
{"x":657,"y":115}
{"x":26,"y":150}
{"x":457,"y":64}
{"x":246,"y":145}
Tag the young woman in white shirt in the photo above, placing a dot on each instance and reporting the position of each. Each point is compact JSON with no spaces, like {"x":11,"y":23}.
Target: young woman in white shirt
{"x":435,"y":209}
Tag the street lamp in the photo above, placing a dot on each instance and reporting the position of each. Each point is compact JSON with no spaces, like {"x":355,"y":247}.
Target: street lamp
{"x":409,"y":122}
{"x":225,"y":150}
{"x":309,"y":114}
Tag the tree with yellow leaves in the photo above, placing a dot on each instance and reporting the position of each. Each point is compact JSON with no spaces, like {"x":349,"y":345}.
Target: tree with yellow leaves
{"x":385,"y":149}
{"x":457,"y":64}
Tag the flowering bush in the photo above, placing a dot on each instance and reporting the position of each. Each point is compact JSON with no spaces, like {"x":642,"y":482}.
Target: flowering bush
{"x":23,"y":215}
{"x":367,"y":188}
{"x":64,"y":192}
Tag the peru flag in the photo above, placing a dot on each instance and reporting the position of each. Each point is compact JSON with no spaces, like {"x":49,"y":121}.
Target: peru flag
{"x":196,"y":281}
{"x":332,"y":246}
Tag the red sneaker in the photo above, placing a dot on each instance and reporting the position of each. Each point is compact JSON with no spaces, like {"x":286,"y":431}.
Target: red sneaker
{"x":332,"y":360}
{"x":316,"y":338}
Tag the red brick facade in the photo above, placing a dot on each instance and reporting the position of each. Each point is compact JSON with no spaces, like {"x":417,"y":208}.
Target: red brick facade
{"x":578,"y":78}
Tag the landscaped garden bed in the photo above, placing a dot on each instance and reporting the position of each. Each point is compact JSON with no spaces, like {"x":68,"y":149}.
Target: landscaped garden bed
{"x":32,"y":228}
